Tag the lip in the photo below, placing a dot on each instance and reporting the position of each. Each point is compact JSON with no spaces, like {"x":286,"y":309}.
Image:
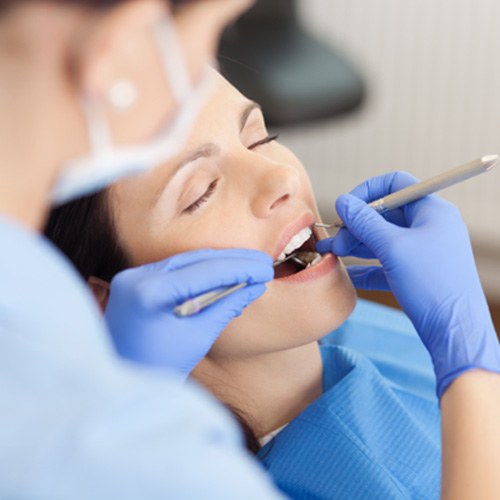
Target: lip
{"x":291,"y":230}
{"x":325,"y":266}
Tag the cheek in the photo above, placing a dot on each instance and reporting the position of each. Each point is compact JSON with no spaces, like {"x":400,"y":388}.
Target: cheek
{"x":155,"y":242}
{"x":306,"y":190}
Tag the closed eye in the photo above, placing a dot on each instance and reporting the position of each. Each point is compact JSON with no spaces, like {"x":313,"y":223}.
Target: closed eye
{"x":203,"y":198}
{"x":213,"y":185}
{"x":266,"y":140}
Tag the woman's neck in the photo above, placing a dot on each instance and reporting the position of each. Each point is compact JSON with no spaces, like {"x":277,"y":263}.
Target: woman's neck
{"x":269,"y":390}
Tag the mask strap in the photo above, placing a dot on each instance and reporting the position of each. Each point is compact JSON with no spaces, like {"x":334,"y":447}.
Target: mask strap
{"x":98,"y":129}
{"x":175,"y":70}
{"x":106,"y":163}
{"x":173,"y":59}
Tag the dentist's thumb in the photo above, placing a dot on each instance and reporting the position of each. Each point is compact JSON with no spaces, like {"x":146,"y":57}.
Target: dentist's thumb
{"x":363,"y":226}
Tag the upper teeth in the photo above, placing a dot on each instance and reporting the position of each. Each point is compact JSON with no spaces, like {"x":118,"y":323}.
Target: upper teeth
{"x":296,"y":242}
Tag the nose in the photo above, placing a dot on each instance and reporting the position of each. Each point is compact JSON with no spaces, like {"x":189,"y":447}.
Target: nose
{"x":276,"y":185}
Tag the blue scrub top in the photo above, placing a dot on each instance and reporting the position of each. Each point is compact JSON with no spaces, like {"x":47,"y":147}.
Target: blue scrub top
{"x":78,"y":423}
{"x":375,"y":431}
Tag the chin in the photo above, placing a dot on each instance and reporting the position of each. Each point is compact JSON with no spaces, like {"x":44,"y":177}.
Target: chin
{"x":290,"y":314}
{"x":324,"y":306}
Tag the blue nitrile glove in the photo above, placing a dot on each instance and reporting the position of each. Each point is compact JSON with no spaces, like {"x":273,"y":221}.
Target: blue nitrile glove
{"x":140,"y":313}
{"x":427,"y":262}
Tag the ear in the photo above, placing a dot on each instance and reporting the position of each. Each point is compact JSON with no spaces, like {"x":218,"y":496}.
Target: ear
{"x":100,"y":289}
{"x":112,"y":41}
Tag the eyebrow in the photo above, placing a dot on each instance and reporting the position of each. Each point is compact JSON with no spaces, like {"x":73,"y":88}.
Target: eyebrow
{"x":247,"y":110}
{"x":205,"y":151}
{"x":210,"y":149}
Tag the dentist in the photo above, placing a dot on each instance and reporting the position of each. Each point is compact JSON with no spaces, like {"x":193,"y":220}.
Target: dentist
{"x":91,"y":91}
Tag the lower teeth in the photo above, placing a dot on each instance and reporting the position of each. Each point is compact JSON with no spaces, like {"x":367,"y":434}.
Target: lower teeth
{"x":307,"y":259}
{"x":315,"y":261}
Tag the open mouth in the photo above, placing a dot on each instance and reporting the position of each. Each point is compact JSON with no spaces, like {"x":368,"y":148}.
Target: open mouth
{"x":299,"y":254}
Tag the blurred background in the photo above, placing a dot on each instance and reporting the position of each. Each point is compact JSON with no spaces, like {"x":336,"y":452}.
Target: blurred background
{"x":370,"y":87}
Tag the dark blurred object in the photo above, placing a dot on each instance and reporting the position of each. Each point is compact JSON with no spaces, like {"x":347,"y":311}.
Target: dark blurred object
{"x":294,"y":77}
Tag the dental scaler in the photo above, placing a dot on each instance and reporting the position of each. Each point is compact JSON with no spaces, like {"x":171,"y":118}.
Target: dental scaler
{"x":429,"y":186}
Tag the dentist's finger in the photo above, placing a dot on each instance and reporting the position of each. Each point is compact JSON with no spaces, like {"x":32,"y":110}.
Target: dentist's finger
{"x":368,"y":278}
{"x":195,"y":256}
{"x":344,"y":244}
{"x":188,"y":282}
{"x":233,"y":305}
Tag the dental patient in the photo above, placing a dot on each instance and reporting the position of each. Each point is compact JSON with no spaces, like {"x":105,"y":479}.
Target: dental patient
{"x":327,"y":422}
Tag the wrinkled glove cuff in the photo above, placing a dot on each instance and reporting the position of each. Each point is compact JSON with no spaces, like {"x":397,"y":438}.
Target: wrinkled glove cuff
{"x":483,"y":355}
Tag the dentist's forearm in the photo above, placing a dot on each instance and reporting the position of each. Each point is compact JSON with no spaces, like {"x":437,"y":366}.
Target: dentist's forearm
{"x":470,"y":410}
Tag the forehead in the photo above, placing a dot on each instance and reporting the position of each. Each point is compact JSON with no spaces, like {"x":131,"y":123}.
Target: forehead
{"x":223,"y":100}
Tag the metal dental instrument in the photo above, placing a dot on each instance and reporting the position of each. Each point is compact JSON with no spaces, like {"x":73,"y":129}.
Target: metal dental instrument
{"x":197,"y":304}
{"x":429,"y":186}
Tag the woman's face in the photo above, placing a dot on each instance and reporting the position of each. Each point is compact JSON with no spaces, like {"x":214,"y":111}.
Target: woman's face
{"x":235,"y":187}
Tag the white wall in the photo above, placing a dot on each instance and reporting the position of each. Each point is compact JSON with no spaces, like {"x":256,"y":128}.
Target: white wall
{"x":433,"y":68}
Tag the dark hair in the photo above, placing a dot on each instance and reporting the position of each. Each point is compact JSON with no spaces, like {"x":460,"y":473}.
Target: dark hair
{"x":84,"y":230}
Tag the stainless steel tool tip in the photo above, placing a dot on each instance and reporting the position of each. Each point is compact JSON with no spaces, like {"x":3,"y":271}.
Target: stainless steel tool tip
{"x":490,"y":161}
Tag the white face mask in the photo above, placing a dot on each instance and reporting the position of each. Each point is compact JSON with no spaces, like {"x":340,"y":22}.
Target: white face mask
{"x":107,"y":163}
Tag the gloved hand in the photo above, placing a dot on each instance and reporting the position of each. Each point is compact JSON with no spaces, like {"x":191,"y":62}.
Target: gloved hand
{"x":140,"y":312}
{"x":427,"y":262}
